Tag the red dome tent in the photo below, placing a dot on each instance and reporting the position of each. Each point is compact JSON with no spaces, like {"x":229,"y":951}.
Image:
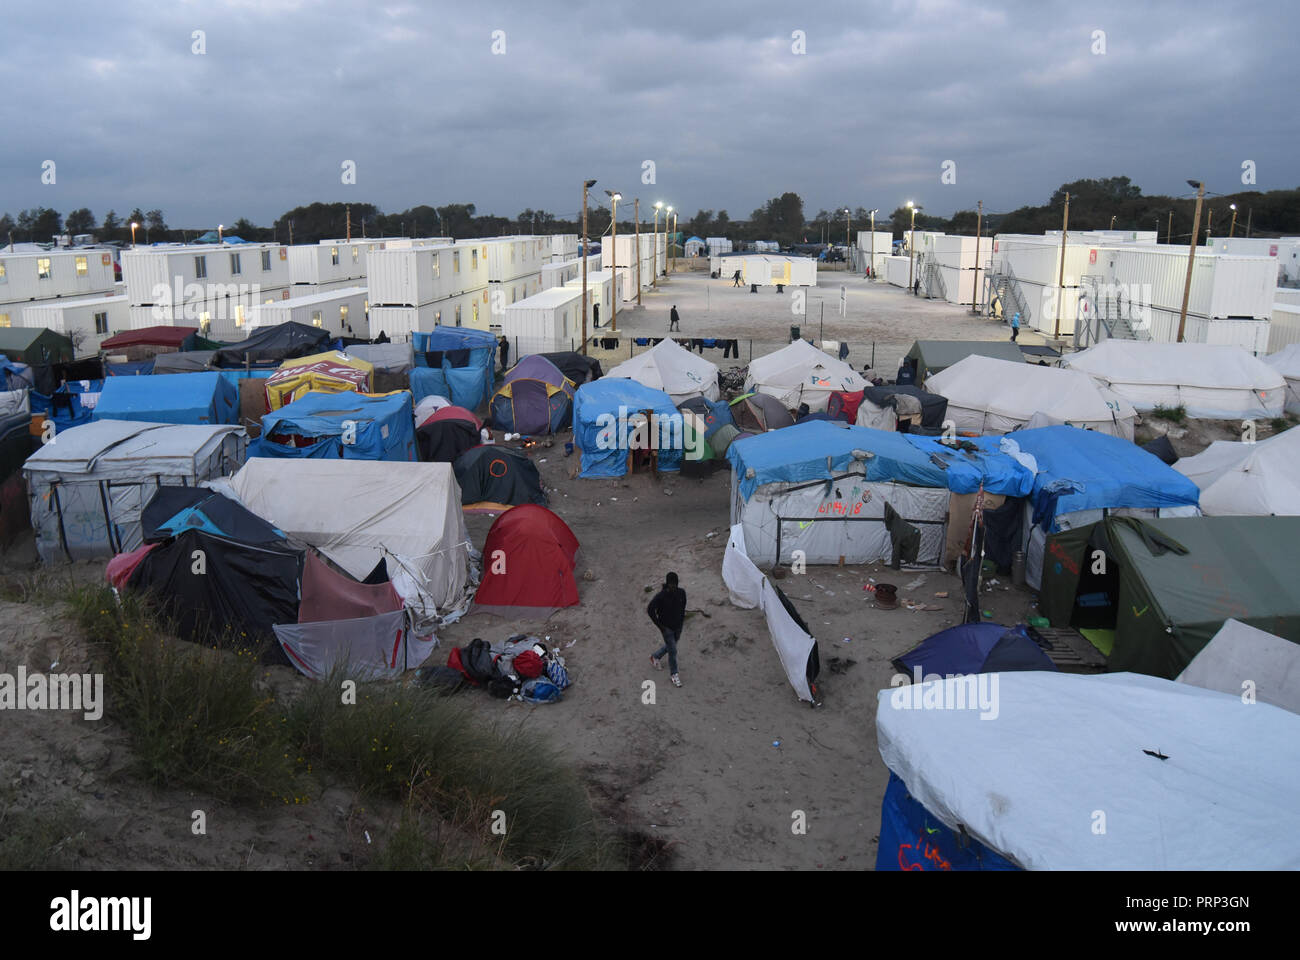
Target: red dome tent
{"x":528,"y":562}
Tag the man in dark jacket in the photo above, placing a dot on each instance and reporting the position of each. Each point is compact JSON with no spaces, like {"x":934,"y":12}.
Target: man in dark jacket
{"x":674,"y":321}
{"x":668,"y":612}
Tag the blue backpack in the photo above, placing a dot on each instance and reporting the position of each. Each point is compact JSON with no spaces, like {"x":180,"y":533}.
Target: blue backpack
{"x":540,"y":690}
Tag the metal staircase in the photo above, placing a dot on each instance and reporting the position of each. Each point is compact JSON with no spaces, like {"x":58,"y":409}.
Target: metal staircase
{"x":1107,"y":314}
{"x":1005,"y":288}
{"x":935,"y":288}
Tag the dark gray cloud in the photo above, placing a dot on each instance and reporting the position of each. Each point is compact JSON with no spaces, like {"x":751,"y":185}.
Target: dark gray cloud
{"x":712,"y":93}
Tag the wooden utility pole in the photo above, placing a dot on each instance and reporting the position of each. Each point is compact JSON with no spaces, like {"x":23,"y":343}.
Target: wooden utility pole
{"x":1060,"y":275}
{"x":1169,"y":231}
{"x":636,"y":212}
{"x":586,"y":185}
{"x":348,"y":208}
{"x":1191,"y":259}
{"x":975,"y":290}
{"x":613,"y":267}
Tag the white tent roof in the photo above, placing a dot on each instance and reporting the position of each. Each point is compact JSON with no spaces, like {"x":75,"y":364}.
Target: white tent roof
{"x":129,"y":449}
{"x":1241,"y":658}
{"x":800,"y":373}
{"x":357,"y":512}
{"x":670,"y":367}
{"x":1287,"y":362}
{"x":992,"y":396}
{"x":1065,"y":749}
{"x":1212,"y":381}
{"x":1248,"y":479}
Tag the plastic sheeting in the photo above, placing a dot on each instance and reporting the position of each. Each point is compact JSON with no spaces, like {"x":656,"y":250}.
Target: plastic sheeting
{"x":608,"y":424}
{"x":800,"y":373}
{"x":1211,"y":381}
{"x":1064,"y":745}
{"x":366,"y":648}
{"x":1287,"y":362}
{"x":670,"y":367}
{"x":199,"y":398}
{"x":1242,"y":659}
{"x":348,"y":425}
{"x":1248,"y":479}
{"x":748,"y":588}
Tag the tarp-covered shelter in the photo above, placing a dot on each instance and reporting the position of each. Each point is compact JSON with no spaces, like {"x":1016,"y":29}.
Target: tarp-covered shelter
{"x":1211,"y":381}
{"x":330,"y":372}
{"x":454,"y":362}
{"x":1167,"y":585}
{"x":973,"y":648}
{"x":350,"y":425}
{"x":670,"y":367}
{"x":882,"y":407}
{"x":1287,"y":362}
{"x":271,"y":346}
{"x":35,"y":345}
{"x":1189,"y":778}
{"x":989,"y":396}
{"x":447,"y":434}
{"x":494,"y":478}
{"x":87,"y":489}
{"x":361,"y":512}
{"x":578,"y":368}
{"x":397,"y":358}
{"x":536,"y":398}
{"x":928,"y":357}
{"x":142,"y":339}
{"x":822,"y":487}
{"x":1248,"y":479}
{"x":200,"y":398}
{"x":800,"y":373}
{"x":183,"y":361}
{"x":610,"y":427}
{"x":540,"y":552}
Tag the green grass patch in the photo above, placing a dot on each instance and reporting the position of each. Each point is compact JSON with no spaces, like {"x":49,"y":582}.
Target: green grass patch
{"x":47,"y":839}
{"x":1176,"y":414}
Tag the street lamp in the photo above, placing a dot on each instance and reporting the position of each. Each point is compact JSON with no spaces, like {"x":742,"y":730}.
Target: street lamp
{"x":586,"y":251}
{"x":1233,"y":228}
{"x":667,"y":212}
{"x":871,"y":264}
{"x":654,"y":248}
{"x":846,"y":231}
{"x":614,"y":198}
{"x":220,"y":227}
{"x":674,"y":236}
{"x":1112,"y":222}
{"x":911,"y":260}
{"x":1191,"y":255}
{"x":133,"y":226}
{"x":636,"y":214}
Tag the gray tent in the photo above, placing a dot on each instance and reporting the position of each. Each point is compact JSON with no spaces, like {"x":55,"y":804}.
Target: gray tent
{"x":935,"y":356}
{"x":385,"y":357}
{"x":185,"y":361}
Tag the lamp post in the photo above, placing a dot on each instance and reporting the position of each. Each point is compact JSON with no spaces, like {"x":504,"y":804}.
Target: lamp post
{"x":220,"y":228}
{"x":847,"y":228}
{"x":614,"y":198}
{"x":872,"y":262}
{"x":654,"y":248}
{"x":1209,"y":216}
{"x":975,"y":290}
{"x":1191,"y":256}
{"x":133,"y":226}
{"x":1233,"y":227}
{"x":636,"y":209}
{"x":1060,"y":274}
{"x":586,"y":185}
{"x":911,"y":259}
{"x":667,"y":213}
{"x":1112,"y":222}
{"x":1169,"y":230}
{"x":674,"y":246}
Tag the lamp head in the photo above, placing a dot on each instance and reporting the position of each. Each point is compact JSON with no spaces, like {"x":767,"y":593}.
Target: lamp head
{"x":1195,"y":184}
{"x":588,"y":184}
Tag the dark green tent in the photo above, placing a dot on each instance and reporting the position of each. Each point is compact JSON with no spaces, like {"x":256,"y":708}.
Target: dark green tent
{"x":35,"y":345}
{"x":1166,"y":586}
{"x":935,"y":356}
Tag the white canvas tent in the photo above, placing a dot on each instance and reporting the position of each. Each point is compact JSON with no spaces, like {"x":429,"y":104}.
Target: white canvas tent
{"x":88,"y":485}
{"x":1287,"y":362}
{"x":1210,"y":380}
{"x":670,"y":367}
{"x":1241,"y":660}
{"x":1063,"y":746}
{"x":800,"y":373}
{"x":990,"y":396}
{"x":1248,"y":479}
{"x":358,"y":512}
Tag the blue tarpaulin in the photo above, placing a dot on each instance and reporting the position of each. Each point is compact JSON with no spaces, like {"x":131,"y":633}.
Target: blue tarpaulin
{"x":603,"y":411}
{"x":475,"y":351}
{"x":822,"y":449}
{"x":202,"y":398}
{"x":1086,"y":470}
{"x":912,"y":838}
{"x":138,"y":368}
{"x":383,"y":428}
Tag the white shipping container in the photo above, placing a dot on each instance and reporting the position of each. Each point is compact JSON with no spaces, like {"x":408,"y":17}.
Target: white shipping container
{"x":600,"y":287}
{"x":512,"y":257}
{"x":342,"y":312}
{"x":1285,"y":327}
{"x":1222,"y":286}
{"x":558,"y":273}
{"x":466,"y":310}
{"x":1287,"y":295}
{"x":203,"y":272}
{"x":1250,"y":335}
{"x":896,"y":270}
{"x":416,"y":276}
{"x":501,"y":295}
{"x":564,"y":245}
{"x":548,"y":322}
{"x":87,"y":322}
{"x":326,"y":263}
{"x":48,"y":275}
{"x":217,"y":319}
{"x":880,"y":247}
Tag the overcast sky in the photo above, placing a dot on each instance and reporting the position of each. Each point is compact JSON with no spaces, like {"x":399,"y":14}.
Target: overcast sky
{"x":713,"y":94}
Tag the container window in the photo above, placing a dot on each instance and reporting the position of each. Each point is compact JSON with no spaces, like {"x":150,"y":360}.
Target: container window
{"x":4,"y":276}
{"x":205,"y":322}
{"x":266,"y":261}
{"x":43,"y":268}
{"x":334,"y":256}
{"x":473,"y":259}
{"x":316,"y":318}
{"x":4,"y":320}
{"x":234,"y":265}
{"x":101,"y":322}
{"x":83,"y":268}
{"x":436,"y":271}
{"x":458,"y":314}
{"x":200,"y":267}
{"x":239,"y":315}
{"x":356,"y":254}
{"x":455,"y":264}
{"x":343,"y":313}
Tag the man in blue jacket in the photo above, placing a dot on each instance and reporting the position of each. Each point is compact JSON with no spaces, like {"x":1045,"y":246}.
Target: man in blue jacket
{"x":668,"y":612}
{"x":1015,"y":325}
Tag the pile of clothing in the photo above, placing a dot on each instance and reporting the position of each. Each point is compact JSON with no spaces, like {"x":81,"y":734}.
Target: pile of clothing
{"x":519,"y":668}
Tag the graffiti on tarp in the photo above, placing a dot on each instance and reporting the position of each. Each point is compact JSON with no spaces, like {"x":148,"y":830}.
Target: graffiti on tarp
{"x":916,"y":856}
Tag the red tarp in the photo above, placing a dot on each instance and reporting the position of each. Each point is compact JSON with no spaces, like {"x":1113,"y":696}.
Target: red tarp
{"x":123,"y":565}
{"x":454,"y":412}
{"x":160,"y":336}
{"x":328,"y":595}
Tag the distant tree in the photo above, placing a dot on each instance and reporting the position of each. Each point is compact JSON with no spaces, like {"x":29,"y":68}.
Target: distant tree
{"x":137,"y":218}
{"x":80,"y":221}
{"x":7,"y":228}
{"x":963,"y":222}
{"x":110,"y":226}
{"x":40,"y":224}
{"x":246,"y":229}
{"x":153,"y":221}
{"x":698,"y":225}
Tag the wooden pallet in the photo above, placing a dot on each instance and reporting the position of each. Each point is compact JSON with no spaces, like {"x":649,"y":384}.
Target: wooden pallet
{"x":1070,"y":650}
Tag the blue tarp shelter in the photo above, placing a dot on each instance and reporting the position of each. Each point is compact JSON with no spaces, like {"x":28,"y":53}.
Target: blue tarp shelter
{"x":821,"y":449}
{"x":1085,"y":470}
{"x":974,"y":648}
{"x":604,"y":426}
{"x":201,"y":398}
{"x":382,"y":428}
{"x":135,"y":368}
{"x":454,"y":362}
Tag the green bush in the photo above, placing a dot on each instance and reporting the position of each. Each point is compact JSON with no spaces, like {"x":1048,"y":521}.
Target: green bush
{"x":1176,"y":414}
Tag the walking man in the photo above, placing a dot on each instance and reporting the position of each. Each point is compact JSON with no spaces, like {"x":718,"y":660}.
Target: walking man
{"x":1015,"y":325}
{"x":916,"y":287}
{"x":667,"y":612}
{"x":735,"y":279}
{"x":504,"y":346}
{"x":595,"y":315}
{"x":674,"y":321}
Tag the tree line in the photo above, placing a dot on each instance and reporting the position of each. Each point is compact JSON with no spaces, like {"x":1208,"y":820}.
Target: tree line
{"x":1095,"y":204}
